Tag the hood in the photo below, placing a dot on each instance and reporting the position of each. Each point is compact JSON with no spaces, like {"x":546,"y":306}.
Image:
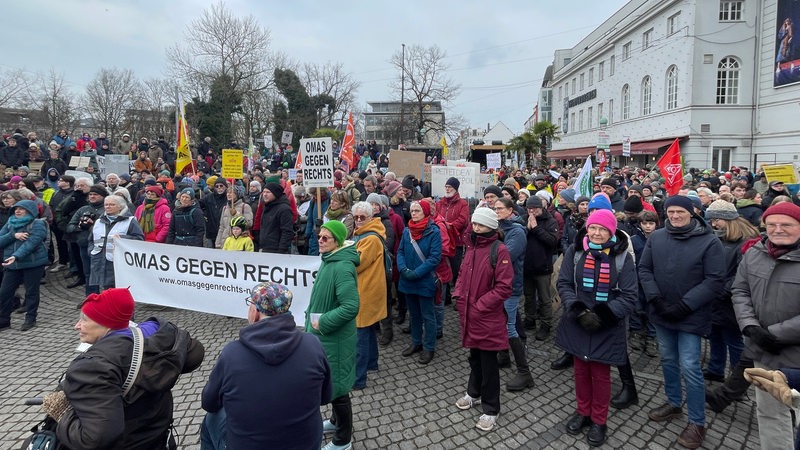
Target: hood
{"x":28,"y":205}
{"x":513,"y":221}
{"x":375,"y":225}
{"x":745,"y":202}
{"x":346,"y":252}
{"x":273,"y":339}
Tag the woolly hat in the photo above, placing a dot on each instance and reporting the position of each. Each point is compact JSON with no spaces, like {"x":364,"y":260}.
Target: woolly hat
{"x":337,"y":230}
{"x":582,"y":198}
{"x":600,"y":201}
{"x":270,"y":298}
{"x":113,"y":308}
{"x":721,"y":209}
{"x":568,"y":195}
{"x":511,"y":191}
{"x":15,"y":179}
{"x":486,"y":217}
{"x":375,"y":198}
{"x":603,"y":217}
{"x":680,"y":201}
{"x":633,"y":205}
{"x":187,"y":191}
{"x":150,"y":182}
{"x":155,"y":189}
{"x":23,"y":168}
{"x":426,"y":208}
{"x":99,"y":190}
{"x":493,"y":190}
{"x":239,"y":191}
{"x":524,"y":191}
{"x":212,"y":180}
{"x":453,"y":181}
{"x":275,"y":188}
{"x":391,"y":188}
{"x":609,"y":182}
{"x":637,"y":187}
{"x":548,"y":197}
{"x":125,"y":177}
{"x":408,"y":183}
{"x":534,"y":202}
{"x":784,"y":208}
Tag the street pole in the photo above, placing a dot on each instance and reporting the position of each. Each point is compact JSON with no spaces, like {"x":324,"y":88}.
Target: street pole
{"x":402,"y":95}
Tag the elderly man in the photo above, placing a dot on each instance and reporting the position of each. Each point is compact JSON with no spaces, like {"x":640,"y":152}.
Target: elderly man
{"x":765,"y":294}
{"x":681,"y":272}
{"x":112,"y":183}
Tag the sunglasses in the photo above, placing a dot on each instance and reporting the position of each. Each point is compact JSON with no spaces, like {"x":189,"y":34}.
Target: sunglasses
{"x":323,"y":238}
{"x":360,"y":218}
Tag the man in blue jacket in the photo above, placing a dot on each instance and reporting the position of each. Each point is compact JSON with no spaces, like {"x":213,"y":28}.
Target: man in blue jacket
{"x":681,"y":272}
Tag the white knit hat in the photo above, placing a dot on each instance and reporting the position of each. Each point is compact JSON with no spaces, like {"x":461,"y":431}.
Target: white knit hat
{"x":486,"y":217}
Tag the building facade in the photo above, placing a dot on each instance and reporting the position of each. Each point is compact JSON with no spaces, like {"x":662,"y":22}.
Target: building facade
{"x":701,"y":71}
{"x":382,"y":125}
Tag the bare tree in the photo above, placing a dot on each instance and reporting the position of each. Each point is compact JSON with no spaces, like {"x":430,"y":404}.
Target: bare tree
{"x":49,"y":94}
{"x":109,"y":96}
{"x":13,"y":83}
{"x":330,"y":79}
{"x":426,"y":81}
{"x":152,"y":112}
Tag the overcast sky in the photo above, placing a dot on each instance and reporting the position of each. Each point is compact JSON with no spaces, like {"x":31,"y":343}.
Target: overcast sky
{"x":497,"y":50}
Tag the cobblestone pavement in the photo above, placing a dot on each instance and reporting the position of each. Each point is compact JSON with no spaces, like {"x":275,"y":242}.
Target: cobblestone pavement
{"x":405,"y":405}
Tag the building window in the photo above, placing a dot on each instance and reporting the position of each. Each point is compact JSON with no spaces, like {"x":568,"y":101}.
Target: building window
{"x":580,"y":120}
{"x":591,"y":76}
{"x":572,"y":120}
{"x":647,"y":39}
{"x":559,"y":123}
{"x":730,"y":10}
{"x":646,"y":96}
{"x":560,"y":93}
{"x":728,"y":81}
{"x":672,"y":87}
{"x":599,"y":112}
{"x":626,"y":51}
{"x":626,"y":102}
{"x":590,"y":118}
{"x":721,"y":158}
{"x":601,"y":68}
{"x":610,"y":111}
{"x":673,"y":23}
{"x":573,"y":86}
{"x":582,"y":78}
{"x":611,"y":65}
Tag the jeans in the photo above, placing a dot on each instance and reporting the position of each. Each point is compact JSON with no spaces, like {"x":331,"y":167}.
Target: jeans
{"x":511,"y":305}
{"x":680,"y":353}
{"x":366,"y":354}
{"x":213,"y":432}
{"x":12,"y":278}
{"x":724,"y":341}
{"x":438,"y":310}
{"x":422,"y":316}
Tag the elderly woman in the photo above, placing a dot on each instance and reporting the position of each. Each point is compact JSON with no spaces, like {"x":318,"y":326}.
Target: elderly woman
{"x":331,"y":316}
{"x":100,"y":413}
{"x":154,"y":215}
{"x":115,"y":222}
{"x":485,"y":283}
{"x":369,"y":236}
{"x":24,"y":258}
{"x":339,"y":209}
{"x":418,"y":256}
{"x":236,"y":206}
{"x":599,"y":289}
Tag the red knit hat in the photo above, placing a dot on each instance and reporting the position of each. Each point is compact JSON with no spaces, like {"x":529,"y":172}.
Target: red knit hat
{"x":426,"y":208}
{"x":157,"y":189}
{"x":785,"y":208}
{"x":113,"y":308}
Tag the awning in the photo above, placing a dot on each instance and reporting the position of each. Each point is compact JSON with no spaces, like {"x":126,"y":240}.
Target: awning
{"x":637,"y":148}
{"x":572,"y":153}
{"x":648,"y":148}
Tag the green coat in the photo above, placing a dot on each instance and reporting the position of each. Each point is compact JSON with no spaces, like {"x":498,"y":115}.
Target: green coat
{"x":335,"y":295}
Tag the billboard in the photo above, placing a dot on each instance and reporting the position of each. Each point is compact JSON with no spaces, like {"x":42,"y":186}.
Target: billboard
{"x":787,"y":51}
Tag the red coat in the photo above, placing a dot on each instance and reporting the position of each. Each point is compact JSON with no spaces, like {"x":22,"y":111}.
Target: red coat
{"x":161,"y":218}
{"x":480,"y":293}
{"x":455,"y":212}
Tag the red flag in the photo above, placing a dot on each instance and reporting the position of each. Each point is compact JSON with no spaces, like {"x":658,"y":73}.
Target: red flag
{"x":346,"y":154}
{"x":298,"y":163}
{"x":671,"y":168}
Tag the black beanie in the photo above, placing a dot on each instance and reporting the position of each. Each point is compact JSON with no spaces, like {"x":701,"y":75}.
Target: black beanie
{"x":275,"y":188}
{"x":633,"y":205}
{"x":453,"y":181}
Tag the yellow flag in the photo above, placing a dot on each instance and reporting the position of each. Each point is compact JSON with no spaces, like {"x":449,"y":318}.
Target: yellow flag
{"x":443,"y":143}
{"x":184,"y":155}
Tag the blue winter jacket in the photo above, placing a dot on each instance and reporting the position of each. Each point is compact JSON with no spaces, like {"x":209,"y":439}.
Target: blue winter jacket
{"x":417,"y":277}
{"x":30,"y":252}
{"x":516,"y":240}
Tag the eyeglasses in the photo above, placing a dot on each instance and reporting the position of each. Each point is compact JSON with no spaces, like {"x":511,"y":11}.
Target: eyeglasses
{"x":783,"y":226}
{"x":500,"y":208}
{"x":360,"y":218}
{"x":219,"y":186}
{"x":323,"y":238}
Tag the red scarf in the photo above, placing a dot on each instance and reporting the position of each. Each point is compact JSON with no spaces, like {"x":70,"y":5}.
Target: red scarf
{"x":416,"y":228}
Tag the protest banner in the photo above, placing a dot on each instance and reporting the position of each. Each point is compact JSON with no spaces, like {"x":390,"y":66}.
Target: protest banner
{"x":465,"y":175}
{"x":404,"y":162}
{"x":317,"y":166}
{"x":232,"y":163}
{"x":79,"y":162}
{"x":493,"y":160}
{"x":209,"y":280}
{"x":286,"y":137}
{"x":781,"y":172}
{"x":118,"y":164}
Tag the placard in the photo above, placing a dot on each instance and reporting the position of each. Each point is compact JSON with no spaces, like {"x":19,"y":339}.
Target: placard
{"x":286,"y":137}
{"x":626,"y":146}
{"x":80,"y":161}
{"x":467,"y":176}
{"x":404,"y":162}
{"x":317,"y":154}
{"x":781,"y":172}
{"x":494,"y":160}
{"x":118,"y":164}
{"x":268,"y":141}
{"x":232,"y":163}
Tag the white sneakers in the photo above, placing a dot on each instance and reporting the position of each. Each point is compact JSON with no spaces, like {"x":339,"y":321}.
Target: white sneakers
{"x":467,"y":402}
{"x":486,"y":422}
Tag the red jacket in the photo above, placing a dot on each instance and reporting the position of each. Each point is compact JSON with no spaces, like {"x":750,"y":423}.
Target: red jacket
{"x":161,"y":218}
{"x":479,"y":295}
{"x":443,"y":270}
{"x":455,"y":212}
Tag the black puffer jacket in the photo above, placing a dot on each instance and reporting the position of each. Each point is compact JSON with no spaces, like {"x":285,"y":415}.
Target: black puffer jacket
{"x":722,"y":308}
{"x":277,"y":227}
{"x":542,"y":244}
{"x":100,"y":418}
{"x":187,"y":226}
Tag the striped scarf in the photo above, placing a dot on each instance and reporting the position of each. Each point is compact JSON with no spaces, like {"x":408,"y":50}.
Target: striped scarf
{"x":597,"y":268}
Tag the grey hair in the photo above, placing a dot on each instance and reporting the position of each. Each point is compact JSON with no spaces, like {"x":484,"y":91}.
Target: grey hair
{"x":363,"y":207}
{"x":26,"y":194}
{"x":120,"y":201}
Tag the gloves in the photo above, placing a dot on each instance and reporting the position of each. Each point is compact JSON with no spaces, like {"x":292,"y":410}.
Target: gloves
{"x":409,"y":274}
{"x":676,"y":311}
{"x":763,"y":338}
{"x":55,"y":404}
{"x":658,"y":304}
{"x":774,"y":382}
{"x":605,"y":314}
{"x":589,"y":320}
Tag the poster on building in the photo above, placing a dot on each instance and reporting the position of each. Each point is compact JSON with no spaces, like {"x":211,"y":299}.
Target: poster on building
{"x":232,"y":163}
{"x":787,"y":50}
{"x":317,"y":162}
{"x":467,"y":176}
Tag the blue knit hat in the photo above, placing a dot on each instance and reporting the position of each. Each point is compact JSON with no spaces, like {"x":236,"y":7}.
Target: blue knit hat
{"x":600,"y":201}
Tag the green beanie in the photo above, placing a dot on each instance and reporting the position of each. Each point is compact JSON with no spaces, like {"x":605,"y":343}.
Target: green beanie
{"x":337,"y":229}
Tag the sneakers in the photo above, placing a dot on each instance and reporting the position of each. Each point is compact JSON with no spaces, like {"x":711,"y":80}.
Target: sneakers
{"x":57,"y":267}
{"x":332,"y":446}
{"x":467,"y":402}
{"x":486,"y":422}
{"x":328,"y":427}
{"x":27,"y":326}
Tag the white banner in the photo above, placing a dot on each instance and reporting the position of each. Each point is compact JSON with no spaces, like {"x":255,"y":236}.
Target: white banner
{"x":626,"y":146}
{"x":468,"y":176}
{"x":493,"y":160}
{"x":209,"y":280}
{"x":317,"y":162}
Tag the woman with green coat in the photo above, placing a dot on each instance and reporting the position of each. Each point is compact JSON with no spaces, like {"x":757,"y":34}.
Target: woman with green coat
{"x":331,"y":316}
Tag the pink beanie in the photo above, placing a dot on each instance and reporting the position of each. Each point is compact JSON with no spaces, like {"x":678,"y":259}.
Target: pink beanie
{"x":604,"y":218}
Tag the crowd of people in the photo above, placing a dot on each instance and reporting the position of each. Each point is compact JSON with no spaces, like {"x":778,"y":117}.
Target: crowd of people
{"x":628,"y":266}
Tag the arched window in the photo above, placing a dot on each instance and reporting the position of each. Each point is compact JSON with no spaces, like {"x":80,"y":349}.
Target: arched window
{"x":647,"y":96}
{"x":672,"y":87}
{"x":626,"y":102}
{"x":728,"y":81}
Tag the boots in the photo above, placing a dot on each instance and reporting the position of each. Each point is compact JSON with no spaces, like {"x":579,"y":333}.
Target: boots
{"x":503,"y":360}
{"x":387,"y":332}
{"x":565,"y":361}
{"x":628,"y":395}
{"x":401,"y":316}
{"x":732,"y":390}
{"x":522,"y":379}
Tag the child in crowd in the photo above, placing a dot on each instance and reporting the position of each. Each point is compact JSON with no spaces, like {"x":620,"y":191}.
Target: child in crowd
{"x":238,"y":240}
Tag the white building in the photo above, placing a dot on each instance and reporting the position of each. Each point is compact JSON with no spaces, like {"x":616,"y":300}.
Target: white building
{"x":702,"y":71}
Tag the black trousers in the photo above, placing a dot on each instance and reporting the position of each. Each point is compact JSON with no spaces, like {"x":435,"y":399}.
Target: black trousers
{"x":342,"y":417}
{"x":484,"y":380}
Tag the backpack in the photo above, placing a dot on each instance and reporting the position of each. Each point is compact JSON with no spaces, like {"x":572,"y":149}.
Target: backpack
{"x":387,"y":257}
{"x":47,"y":235}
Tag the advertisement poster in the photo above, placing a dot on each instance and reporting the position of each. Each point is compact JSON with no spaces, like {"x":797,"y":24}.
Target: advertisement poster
{"x":787,"y":57}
